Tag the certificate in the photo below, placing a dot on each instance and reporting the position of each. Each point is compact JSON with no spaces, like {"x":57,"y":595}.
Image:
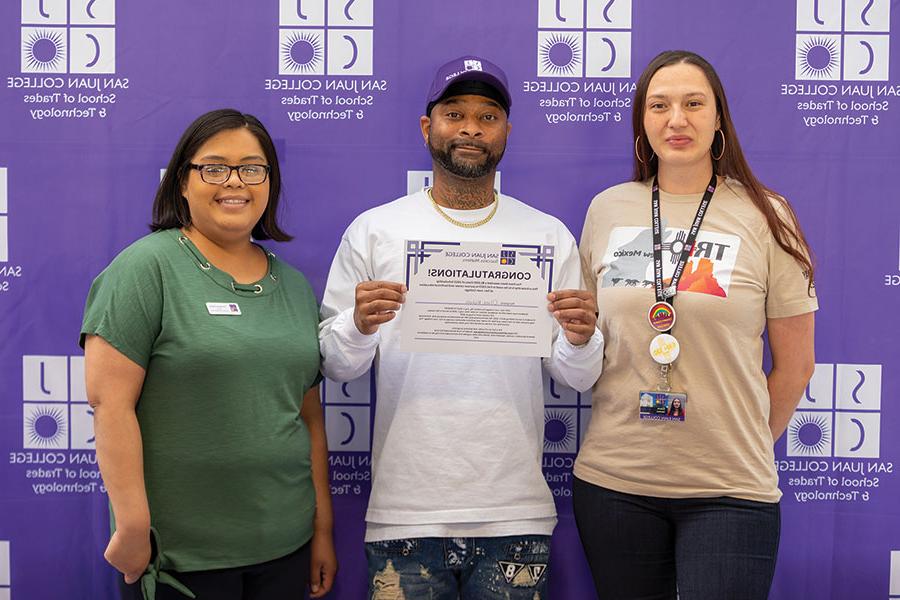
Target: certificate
{"x":477,"y":298}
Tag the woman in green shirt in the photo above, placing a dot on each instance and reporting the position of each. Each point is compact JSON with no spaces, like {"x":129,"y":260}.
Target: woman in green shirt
{"x":202,"y":366}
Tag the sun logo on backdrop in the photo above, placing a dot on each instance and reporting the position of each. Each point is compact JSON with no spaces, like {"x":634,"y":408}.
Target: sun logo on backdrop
{"x":302,"y":52}
{"x":559,"y":431}
{"x":45,"y":427}
{"x":560,"y":54}
{"x":810,"y":435}
{"x":818,"y":58}
{"x":43,"y":50}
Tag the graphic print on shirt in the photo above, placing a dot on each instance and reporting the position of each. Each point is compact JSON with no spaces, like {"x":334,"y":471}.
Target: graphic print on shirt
{"x":628,"y":261}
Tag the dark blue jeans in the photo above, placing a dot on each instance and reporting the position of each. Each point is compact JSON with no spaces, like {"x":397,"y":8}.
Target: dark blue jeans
{"x":645,"y":548}
{"x":485,"y":568}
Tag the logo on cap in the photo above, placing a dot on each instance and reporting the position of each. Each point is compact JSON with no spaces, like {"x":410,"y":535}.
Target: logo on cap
{"x":473,"y":65}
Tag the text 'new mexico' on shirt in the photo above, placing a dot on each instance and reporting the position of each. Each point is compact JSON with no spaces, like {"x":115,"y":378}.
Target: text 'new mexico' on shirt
{"x":226,"y":455}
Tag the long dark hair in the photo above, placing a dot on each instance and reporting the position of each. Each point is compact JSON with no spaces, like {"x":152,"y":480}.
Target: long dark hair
{"x":731,"y":161}
{"x":170,"y":208}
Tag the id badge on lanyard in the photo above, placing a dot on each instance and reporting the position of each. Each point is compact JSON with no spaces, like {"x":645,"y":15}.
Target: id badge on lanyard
{"x":664,"y":404}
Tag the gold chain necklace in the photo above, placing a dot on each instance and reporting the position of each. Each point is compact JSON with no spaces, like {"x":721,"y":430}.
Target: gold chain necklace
{"x":465,"y":224}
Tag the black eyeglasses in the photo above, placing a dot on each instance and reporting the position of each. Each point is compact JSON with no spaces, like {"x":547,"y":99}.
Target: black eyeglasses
{"x":219,"y":174}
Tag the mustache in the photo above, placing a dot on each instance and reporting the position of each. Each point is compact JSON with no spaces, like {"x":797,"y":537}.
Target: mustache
{"x":471,"y":144}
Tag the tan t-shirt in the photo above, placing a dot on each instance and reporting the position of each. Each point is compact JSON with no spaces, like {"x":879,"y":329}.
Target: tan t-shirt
{"x":737,"y":277}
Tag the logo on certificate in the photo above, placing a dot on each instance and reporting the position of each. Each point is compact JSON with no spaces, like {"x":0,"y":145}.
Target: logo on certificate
{"x":839,"y":415}
{"x":507,"y":257}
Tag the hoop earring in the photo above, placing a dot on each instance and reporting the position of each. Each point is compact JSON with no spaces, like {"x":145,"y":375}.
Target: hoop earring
{"x":637,"y":153}
{"x":722,"y":153}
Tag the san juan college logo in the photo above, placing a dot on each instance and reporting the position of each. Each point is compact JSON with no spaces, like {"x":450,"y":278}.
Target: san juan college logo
{"x":843,"y":39}
{"x":566,"y":417}
{"x":4,"y":218}
{"x":584,"y":39}
{"x":895,"y":574}
{"x":839,"y":414}
{"x":56,"y":414}
{"x":5,"y":579}
{"x":68,"y":36}
{"x":348,"y":409}
{"x":325,"y":37}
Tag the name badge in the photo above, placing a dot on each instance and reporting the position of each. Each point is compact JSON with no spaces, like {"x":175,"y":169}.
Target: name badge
{"x":223,"y":308}
{"x":662,"y":406}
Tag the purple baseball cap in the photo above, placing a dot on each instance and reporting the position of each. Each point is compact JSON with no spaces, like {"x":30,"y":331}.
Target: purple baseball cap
{"x":469,"y":69}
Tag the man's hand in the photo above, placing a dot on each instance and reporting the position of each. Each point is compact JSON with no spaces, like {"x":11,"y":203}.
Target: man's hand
{"x":377,"y":302}
{"x":576,"y":311}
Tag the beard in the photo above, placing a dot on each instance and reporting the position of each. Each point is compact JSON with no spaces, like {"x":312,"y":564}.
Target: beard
{"x":463,"y":168}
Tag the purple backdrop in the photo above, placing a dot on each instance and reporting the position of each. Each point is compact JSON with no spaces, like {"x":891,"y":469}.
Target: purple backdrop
{"x":94,"y":94}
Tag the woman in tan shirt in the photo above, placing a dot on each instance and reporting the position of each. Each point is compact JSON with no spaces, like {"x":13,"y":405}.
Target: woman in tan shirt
{"x":685,"y":377}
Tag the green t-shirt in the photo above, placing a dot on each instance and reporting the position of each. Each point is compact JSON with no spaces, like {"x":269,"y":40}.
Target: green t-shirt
{"x":226,"y":455}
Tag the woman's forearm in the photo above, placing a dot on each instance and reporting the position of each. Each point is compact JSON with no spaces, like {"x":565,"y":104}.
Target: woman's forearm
{"x":791,"y":340}
{"x":113,"y":385}
{"x":785,"y":390}
{"x":120,"y":456}
{"x":315,"y":423}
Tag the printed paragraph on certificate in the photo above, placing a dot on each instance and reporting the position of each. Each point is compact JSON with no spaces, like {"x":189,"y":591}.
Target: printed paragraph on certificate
{"x":477,"y":298}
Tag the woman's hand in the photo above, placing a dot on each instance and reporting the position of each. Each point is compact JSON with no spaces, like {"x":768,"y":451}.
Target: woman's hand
{"x":323,"y":564}
{"x":129,"y":553}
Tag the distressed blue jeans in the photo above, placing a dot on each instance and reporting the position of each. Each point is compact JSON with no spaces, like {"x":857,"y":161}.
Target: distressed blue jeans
{"x":646,"y":548}
{"x":484,"y":568}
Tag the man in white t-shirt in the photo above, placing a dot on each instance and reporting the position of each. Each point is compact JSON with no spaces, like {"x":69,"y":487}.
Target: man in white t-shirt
{"x":459,"y":506}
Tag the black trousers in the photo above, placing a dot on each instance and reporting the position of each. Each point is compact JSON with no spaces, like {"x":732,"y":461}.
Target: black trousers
{"x":647,"y":548}
{"x":285,"y":578}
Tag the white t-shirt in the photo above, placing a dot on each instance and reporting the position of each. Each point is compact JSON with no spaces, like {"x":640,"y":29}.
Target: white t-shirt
{"x":458,"y":438}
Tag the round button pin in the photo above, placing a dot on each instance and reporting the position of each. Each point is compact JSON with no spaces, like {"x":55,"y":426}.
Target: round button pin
{"x":661,"y":316}
{"x":664,"y":349}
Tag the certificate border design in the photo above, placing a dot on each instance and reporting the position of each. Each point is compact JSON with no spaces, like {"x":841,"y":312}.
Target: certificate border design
{"x":418,"y":250}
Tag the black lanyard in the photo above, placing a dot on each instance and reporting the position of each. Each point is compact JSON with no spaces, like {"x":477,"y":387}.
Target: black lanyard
{"x":668,"y":294}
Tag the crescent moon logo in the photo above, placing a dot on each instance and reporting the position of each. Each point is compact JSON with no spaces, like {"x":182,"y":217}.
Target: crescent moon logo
{"x":96,"y":58}
{"x":862,"y":435}
{"x":352,"y":424}
{"x":871,"y":61}
{"x":354,"y":49}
